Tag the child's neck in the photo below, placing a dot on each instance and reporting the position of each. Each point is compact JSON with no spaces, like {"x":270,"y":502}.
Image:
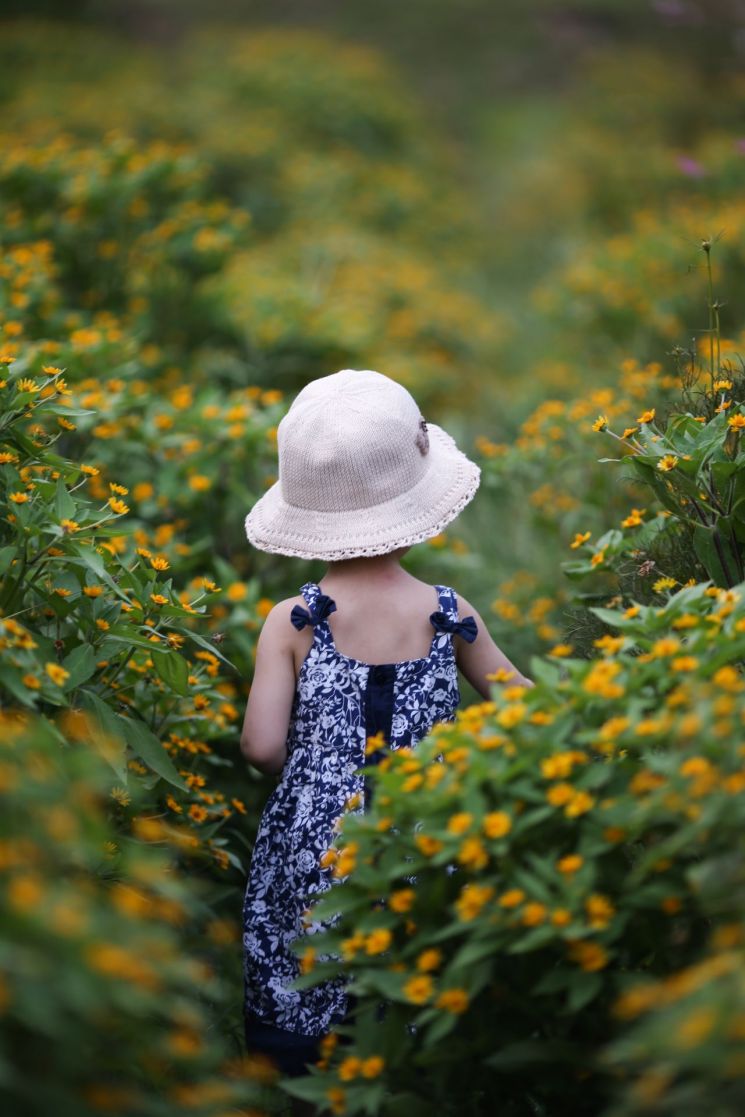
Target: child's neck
{"x":381,"y":569}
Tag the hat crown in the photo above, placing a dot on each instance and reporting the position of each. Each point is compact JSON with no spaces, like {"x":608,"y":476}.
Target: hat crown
{"x":350,"y":441}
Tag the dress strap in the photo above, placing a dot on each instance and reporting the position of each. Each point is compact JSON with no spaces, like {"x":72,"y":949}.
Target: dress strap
{"x":320,"y":605}
{"x":448,"y":602}
{"x":446,"y":619}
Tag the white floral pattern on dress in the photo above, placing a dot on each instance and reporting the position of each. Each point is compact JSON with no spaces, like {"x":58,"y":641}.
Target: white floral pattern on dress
{"x":325,"y":744}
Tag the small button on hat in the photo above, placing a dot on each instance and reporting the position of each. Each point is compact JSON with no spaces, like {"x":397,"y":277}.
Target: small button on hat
{"x":360,"y":473}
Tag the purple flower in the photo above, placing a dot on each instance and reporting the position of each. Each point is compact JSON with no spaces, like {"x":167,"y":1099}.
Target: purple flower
{"x":690,"y":167}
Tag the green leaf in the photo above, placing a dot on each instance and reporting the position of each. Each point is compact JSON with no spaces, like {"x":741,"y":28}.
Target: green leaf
{"x":6,"y":556}
{"x":147,"y":746}
{"x":124,"y":633}
{"x":114,"y":753}
{"x":64,"y":505}
{"x":81,"y":663}
{"x":206,"y":645}
{"x":544,"y":671}
{"x":91,"y":558}
{"x":473,"y":951}
{"x":439,"y":1028}
{"x":11,"y":683}
{"x":532,"y":940}
{"x":173,"y":670}
{"x":714,"y":554}
{"x":584,"y":988}
{"x":525,"y":1052}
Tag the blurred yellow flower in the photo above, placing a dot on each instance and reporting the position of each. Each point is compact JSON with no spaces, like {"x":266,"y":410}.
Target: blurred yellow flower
{"x":418,"y":990}
{"x":452,"y":1000}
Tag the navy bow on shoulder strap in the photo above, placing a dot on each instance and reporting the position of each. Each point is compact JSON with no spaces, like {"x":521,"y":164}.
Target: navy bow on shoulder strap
{"x":320,"y":610}
{"x":466,"y":628}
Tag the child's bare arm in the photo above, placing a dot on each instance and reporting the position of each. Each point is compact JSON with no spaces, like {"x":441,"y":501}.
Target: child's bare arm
{"x":483,"y":657}
{"x":267,"y":717}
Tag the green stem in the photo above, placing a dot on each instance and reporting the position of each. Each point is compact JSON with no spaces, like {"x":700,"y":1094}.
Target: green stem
{"x":720,"y":553}
{"x":12,"y":589}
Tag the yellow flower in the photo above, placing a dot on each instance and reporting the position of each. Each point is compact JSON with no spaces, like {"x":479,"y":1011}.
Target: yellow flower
{"x":418,"y":990}
{"x":56,"y":673}
{"x":591,"y":956}
{"x":307,"y":959}
{"x":646,"y":416}
{"x":19,"y":498}
{"x":374,"y":743}
{"x":118,"y":489}
{"x":581,"y":802}
{"x":600,"y":423}
{"x":599,"y":909}
{"x":350,"y":1068}
{"x":512,"y":715}
{"x":697,"y":1026}
{"x":533,"y":913}
{"x":117,"y":506}
{"x":337,"y":1097}
{"x":69,"y":525}
{"x":664,"y":584}
{"x":560,"y":794}
{"x":427,"y":845}
{"x":453,"y":1000}
{"x":473,"y":854}
{"x":459,"y":823}
{"x":158,"y":599}
{"x":560,"y":917}
{"x":511,"y":898}
{"x":472,"y":899}
{"x":27,"y":385}
{"x":350,"y":946}
{"x":199,"y":483}
{"x":159,"y":563}
{"x":634,"y":518}
{"x":31,"y":682}
{"x":684,"y":663}
{"x":668,"y":462}
{"x":497,"y":824}
{"x":372,"y":1066}
{"x":561,"y":764}
{"x":429,"y":959}
{"x":629,"y":431}
{"x":561,"y":650}
{"x":736,"y":422}
{"x":378,"y":940}
{"x":579,"y":539}
{"x":236,"y":591}
{"x":570,"y":864}
{"x":401,"y":900}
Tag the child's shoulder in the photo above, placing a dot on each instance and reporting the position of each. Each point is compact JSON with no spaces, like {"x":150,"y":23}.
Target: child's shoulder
{"x":281,"y":611}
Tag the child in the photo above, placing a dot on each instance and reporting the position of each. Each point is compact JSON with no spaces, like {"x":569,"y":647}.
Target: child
{"x":362,"y":477}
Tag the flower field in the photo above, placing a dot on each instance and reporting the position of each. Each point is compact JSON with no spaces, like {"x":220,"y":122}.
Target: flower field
{"x":548,"y":892}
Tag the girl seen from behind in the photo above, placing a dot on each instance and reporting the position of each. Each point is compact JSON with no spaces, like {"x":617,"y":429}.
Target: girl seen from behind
{"x":369,"y":650}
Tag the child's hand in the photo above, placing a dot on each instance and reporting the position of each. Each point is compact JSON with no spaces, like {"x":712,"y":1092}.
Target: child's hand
{"x":267,"y":717}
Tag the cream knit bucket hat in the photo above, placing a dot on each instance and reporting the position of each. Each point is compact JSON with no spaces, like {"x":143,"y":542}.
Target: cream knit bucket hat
{"x":360,"y":473}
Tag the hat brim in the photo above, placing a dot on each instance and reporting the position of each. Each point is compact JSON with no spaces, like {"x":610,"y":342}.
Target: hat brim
{"x":425,"y":510}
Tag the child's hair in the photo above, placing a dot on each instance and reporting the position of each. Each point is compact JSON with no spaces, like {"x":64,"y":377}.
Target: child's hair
{"x":360,"y":473}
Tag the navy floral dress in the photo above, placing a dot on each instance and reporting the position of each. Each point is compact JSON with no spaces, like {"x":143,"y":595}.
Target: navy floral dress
{"x":339,"y":702}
